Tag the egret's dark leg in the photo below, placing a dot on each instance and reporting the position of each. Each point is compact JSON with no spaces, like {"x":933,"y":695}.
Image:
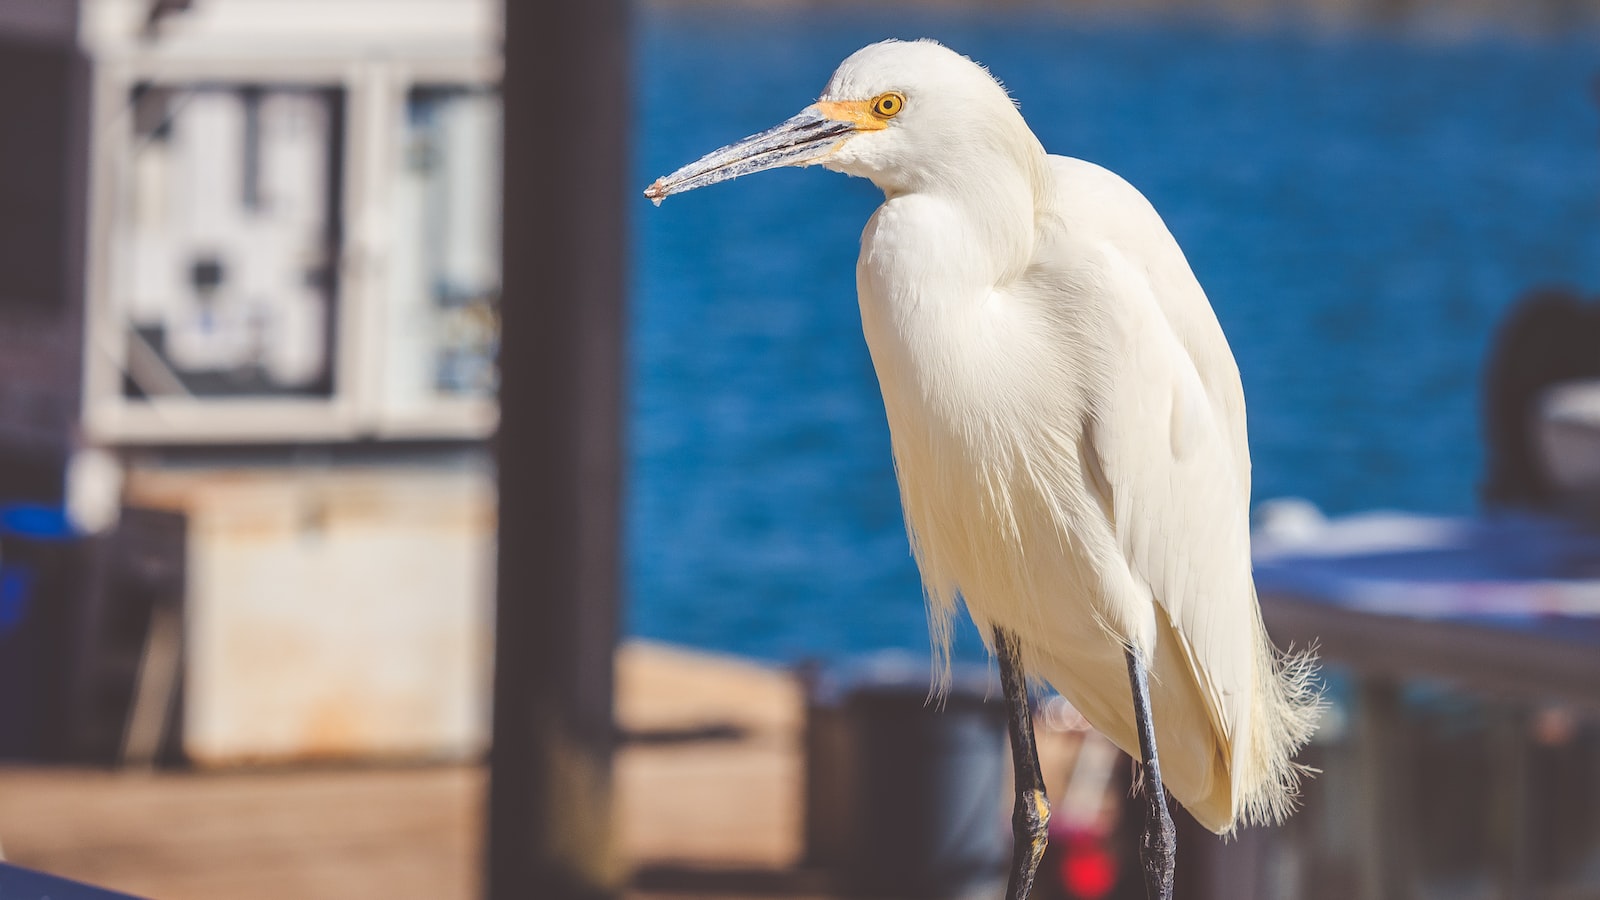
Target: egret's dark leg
{"x":1032,"y":812}
{"x":1158,"y":848}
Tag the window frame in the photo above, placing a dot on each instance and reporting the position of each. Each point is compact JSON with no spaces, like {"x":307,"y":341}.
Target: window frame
{"x":375,"y":93}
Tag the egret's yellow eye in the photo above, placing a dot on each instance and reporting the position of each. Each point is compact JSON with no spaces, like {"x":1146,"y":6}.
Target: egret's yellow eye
{"x":887,"y":106}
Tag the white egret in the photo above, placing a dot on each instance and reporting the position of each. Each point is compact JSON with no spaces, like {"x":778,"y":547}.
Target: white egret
{"x":1068,"y":429}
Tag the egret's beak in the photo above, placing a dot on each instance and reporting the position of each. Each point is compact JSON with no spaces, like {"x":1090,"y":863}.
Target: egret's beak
{"x":801,"y":141}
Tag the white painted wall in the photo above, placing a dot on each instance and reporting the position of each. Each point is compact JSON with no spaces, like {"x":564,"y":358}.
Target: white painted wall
{"x":334,"y":613}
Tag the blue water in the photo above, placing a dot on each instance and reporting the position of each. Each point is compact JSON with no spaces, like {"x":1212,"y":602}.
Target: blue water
{"x":1360,"y":209}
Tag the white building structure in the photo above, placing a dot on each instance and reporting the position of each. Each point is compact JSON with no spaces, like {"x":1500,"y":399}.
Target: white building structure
{"x":284,"y":325}
{"x":293,"y":220}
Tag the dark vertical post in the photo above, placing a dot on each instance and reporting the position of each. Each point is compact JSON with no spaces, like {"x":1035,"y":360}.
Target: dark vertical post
{"x":1380,"y":747}
{"x":559,"y":450}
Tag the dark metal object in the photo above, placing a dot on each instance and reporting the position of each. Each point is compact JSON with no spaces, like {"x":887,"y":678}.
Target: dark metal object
{"x":1239,"y":867}
{"x":40,"y":230}
{"x":1550,"y":335}
{"x":1158,"y":848}
{"x":559,"y":451}
{"x":1031,"y":816}
{"x":144,"y":582}
{"x":1387,"y":845}
{"x":43,"y":581}
{"x":79,"y":659}
{"x":903,"y":794}
{"x":45,"y":79}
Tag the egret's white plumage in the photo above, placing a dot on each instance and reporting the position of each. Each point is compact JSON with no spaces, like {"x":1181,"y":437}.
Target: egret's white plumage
{"x":1067,"y":420}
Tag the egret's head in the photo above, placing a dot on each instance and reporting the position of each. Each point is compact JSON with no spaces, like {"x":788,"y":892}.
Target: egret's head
{"x":903,"y":114}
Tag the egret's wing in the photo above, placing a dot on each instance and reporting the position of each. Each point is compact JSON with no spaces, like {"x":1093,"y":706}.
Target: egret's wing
{"x":1181,"y":516}
{"x":1170,"y":463}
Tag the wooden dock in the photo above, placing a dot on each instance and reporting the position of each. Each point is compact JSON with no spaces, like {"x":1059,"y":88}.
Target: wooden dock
{"x":707,"y":791}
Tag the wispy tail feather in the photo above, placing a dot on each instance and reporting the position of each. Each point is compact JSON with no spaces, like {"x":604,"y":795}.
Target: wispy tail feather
{"x":1283,"y":720}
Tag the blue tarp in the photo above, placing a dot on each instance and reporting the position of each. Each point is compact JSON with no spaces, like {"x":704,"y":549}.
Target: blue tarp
{"x":1516,"y":572}
{"x":25,"y":884}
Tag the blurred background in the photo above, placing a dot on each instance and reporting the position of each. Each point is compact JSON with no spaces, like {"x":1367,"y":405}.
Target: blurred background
{"x":252,"y":472}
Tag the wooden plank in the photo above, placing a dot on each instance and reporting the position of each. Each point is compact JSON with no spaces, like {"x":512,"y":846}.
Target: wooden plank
{"x":355,"y":835}
{"x":713,"y":811}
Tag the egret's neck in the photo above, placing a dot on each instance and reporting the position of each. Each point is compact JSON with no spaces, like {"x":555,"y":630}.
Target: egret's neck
{"x":932,"y":258}
{"x":996,"y":192}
